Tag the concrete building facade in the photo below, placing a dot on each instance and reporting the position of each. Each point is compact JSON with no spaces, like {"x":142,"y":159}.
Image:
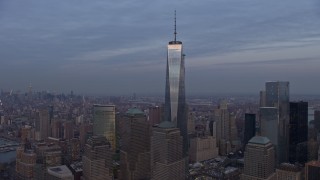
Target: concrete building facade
{"x":167,"y":160}
{"x":259,"y":160}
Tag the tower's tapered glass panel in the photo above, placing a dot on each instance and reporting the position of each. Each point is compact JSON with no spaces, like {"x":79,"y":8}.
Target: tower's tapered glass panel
{"x":175,"y":76}
{"x":175,"y":100}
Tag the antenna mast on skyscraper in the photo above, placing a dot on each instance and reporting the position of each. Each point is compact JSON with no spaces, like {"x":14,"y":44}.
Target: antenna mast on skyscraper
{"x":175,"y":26}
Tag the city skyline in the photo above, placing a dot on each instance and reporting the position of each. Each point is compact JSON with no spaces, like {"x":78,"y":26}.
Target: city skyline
{"x":105,"y":47}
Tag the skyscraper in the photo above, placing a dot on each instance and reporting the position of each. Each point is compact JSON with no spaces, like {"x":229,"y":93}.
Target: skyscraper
{"x":155,"y":115}
{"x":274,"y":123}
{"x":269,"y":126}
{"x":317,"y":120}
{"x":277,"y":95}
{"x":97,"y":159}
{"x":175,"y":102}
{"x":167,"y":161}
{"x":45,"y":120}
{"x":225,"y":128}
{"x":259,"y":159}
{"x":298,"y":131}
{"x":104,"y":117}
{"x":135,"y":146}
{"x":249,"y":127}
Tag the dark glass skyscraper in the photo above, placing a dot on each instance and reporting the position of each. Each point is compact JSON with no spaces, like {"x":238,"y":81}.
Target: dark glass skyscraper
{"x":249,"y":127}
{"x":175,"y":102}
{"x":298,"y":132}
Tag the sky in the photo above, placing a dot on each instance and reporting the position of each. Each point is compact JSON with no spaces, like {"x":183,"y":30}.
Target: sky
{"x":119,"y":47}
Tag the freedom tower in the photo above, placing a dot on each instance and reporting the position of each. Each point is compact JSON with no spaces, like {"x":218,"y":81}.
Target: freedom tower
{"x":175,"y":101}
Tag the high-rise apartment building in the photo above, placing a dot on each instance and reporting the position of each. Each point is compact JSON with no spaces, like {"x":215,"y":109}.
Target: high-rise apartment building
{"x":175,"y":102}
{"x":97,"y":159}
{"x":167,"y":160}
{"x":249,"y":127}
{"x":298,"y":132}
{"x":104,"y":117}
{"x":259,"y":160}
{"x":135,"y":146}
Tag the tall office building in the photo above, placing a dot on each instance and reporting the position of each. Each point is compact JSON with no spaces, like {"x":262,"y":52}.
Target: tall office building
{"x":25,"y":133}
{"x":277,"y":95}
{"x":68,"y":130}
{"x":85,"y":131}
{"x":249,"y":127}
{"x":225,"y":128}
{"x":57,"y":129}
{"x":25,"y":162}
{"x":167,"y":160}
{"x":259,"y":160}
{"x":135,"y":146}
{"x":203,"y":148}
{"x":155,"y":115}
{"x":45,"y":120}
{"x":175,"y":102}
{"x":298,"y":131}
{"x":317,"y":120}
{"x":269,"y":126}
{"x":262,"y":98}
{"x":191,"y":123}
{"x":104,"y":117}
{"x":97,"y":159}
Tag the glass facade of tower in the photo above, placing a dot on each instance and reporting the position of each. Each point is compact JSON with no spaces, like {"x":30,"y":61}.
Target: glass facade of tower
{"x":249,"y":127}
{"x":277,"y":95}
{"x":175,"y":105}
{"x":298,"y":132}
{"x":175,"y":76}
{"x":104,"y":122}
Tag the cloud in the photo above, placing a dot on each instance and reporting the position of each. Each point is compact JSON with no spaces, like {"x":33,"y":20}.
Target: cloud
{"x":127,"y":39}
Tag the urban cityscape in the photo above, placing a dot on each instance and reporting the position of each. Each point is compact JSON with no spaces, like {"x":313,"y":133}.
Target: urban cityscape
{"x":239,"y":133}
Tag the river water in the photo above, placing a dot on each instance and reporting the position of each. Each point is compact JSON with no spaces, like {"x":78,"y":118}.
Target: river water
{"x":7,"y":157}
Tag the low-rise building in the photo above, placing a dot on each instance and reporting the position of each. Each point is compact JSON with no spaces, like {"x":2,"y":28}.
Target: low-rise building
{"x":59,"y":173}
{"x":288,"y":171}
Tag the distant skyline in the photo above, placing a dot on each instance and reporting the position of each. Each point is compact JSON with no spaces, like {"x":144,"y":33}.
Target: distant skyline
{"x":112,"y":48}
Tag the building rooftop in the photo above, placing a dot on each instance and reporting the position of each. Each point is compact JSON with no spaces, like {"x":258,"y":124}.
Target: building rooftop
{"x":259,"y":140}
{"x":77,"y":166}
{"x":134,"y":111}
{"x":60,"y":171}
{"x":289,"y":167}
{"x":313,"y":163}
{"x":166,"y":125}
